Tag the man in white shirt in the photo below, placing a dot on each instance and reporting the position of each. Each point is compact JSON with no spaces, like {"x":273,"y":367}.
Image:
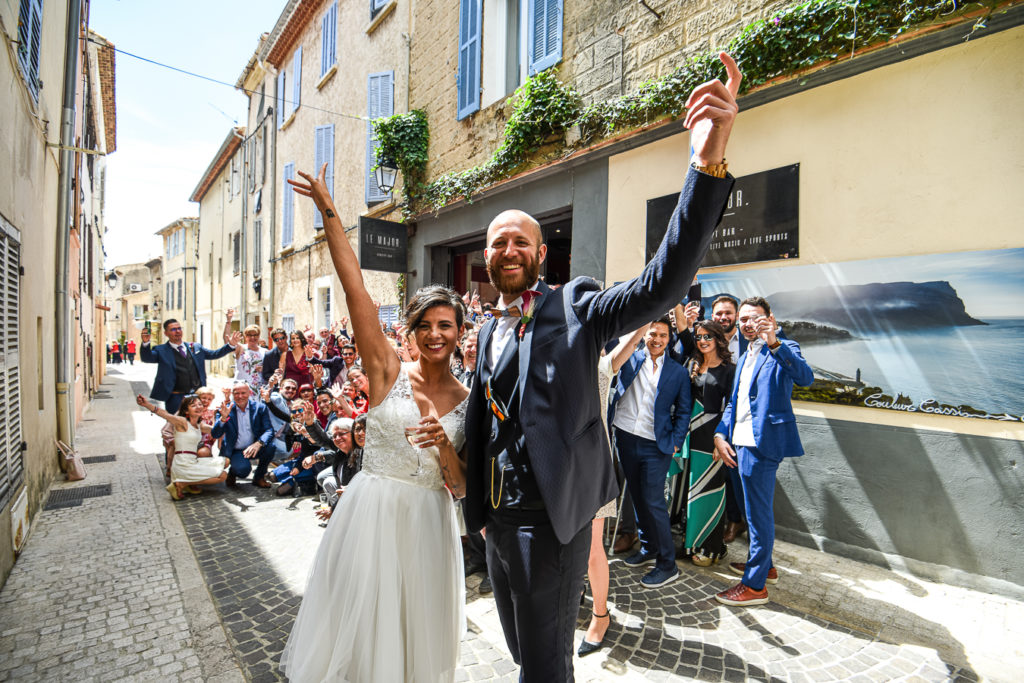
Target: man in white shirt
{"x":650,"y":414}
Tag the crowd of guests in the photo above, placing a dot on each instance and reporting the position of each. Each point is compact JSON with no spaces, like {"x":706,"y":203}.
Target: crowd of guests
{"x":295,"y":419}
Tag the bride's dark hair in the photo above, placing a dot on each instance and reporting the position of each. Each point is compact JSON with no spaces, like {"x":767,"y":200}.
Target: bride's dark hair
{"x":426,"y":298}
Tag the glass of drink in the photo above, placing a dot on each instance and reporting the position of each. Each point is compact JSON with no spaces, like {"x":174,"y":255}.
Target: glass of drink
{"x":411,"y":434}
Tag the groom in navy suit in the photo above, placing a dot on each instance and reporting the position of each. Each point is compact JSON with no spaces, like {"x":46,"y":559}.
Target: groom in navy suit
{"x":538,"y":463}
{"x":650,"y":412}
{"x":757,"y":430}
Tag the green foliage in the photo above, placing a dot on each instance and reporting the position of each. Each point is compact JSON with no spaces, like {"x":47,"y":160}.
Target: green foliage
{"x":404,"y":139}
{"x":799,"y":37}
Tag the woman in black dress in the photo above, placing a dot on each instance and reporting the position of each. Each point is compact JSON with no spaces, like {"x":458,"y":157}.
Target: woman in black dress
{"x":711,"y":375}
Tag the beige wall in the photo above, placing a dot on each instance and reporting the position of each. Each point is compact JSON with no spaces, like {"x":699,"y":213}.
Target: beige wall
{"x":218,"y":287}
{"x":28,"y":202}
{"x":921,"y":157}
{"x":359,"y":53}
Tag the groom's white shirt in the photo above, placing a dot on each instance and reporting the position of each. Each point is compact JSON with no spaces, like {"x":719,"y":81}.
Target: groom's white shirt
{"x":504,"y":329}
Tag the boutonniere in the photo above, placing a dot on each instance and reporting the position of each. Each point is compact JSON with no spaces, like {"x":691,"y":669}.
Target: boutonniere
{"x":529,"y":306}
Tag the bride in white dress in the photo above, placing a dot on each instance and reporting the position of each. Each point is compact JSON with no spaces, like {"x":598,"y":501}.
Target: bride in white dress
{"x":386,"y":591}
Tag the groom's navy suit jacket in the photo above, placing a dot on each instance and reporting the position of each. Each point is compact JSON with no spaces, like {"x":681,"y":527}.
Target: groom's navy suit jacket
{"x":560,"y":408}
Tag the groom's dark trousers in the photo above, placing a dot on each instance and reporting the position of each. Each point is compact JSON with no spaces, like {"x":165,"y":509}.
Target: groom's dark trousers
{"x":551,"y":448}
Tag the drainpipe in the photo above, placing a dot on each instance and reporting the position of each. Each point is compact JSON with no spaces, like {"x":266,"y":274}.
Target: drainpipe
{"x":272,"y":118}
{"x":65,"y":400}
{"x":243,"y":294}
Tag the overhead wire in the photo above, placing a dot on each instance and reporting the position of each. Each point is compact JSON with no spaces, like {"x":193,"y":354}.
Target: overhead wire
{"x":230,"y":85}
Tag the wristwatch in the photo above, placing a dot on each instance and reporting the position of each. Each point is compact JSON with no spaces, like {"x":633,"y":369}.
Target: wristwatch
{"x":715,"y":170}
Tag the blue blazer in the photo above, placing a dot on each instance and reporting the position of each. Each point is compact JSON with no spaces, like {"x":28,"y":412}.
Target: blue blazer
{"x":163,"y":356}
{"x":560,"y":407}
{"x":259,"y":421}
{"x":673,"y":403}
{"x":771,"y":405}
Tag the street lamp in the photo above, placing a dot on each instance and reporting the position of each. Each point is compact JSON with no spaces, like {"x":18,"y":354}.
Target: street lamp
{"x":111,"y":279}
{"x":386,"y":173}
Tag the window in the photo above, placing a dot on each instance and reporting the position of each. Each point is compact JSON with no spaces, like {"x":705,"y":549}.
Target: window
{"x":30,"y":29}
{"x":235,"y":176}
{"x":325,"y":306}
{"x":250,"y":164}
{"x":257,"y":247}
{"x":11,"y":460}
{"x":380,"y":101}
{"x":329,"y":39}
{"x":263,"y":97}
{"x":138,"y":311}
{"x":288,"y":323}
{"x":261,"y":156}
{"x":388,"y":315}
{"x":288,"y":207}
{"x":296,"y":78}
{"x":236,"y":250}
{"x":467,"y":80}
{"x":282,"y":81}
{"x":517,"y":39}
{"x":179,"y":294}
{"x":376,"y":6}
{"x":169,"y":299}
{"x":324,"y":153}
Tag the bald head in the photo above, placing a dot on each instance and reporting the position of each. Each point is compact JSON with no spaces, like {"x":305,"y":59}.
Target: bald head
{"x":516,"y":218}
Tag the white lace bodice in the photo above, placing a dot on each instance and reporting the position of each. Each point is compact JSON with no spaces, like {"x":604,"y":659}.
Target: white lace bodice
{"x":389,"y":454}
{"x":187,"y":441}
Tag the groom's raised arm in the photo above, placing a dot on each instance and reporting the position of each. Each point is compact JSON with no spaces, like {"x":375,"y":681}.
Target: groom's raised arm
{"x":665,"y":279}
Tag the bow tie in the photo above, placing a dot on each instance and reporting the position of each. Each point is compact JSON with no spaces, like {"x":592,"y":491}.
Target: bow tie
{"x":515,"y":311}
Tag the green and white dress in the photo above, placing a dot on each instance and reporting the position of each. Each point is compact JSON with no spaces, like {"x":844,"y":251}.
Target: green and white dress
{"x":704,"y":489}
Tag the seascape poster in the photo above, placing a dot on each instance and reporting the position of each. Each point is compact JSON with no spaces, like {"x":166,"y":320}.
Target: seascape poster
{"x":940,"y":333}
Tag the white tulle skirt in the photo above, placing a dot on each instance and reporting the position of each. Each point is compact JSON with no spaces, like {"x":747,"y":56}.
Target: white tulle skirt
{"x":385,"y":596}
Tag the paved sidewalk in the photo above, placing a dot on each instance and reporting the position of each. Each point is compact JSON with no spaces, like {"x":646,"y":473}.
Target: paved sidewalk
{"x":133,"y":587}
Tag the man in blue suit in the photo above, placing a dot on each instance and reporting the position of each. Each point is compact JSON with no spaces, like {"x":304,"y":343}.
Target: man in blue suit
{"x":248,"y":436}
{"x":181,"y":367}
{"x":538,"y":462}
{"x":650,"y":412}
{"x":760,"y":424}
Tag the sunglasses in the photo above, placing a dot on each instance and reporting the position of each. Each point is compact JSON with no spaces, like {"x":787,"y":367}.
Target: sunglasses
{"x":277,"y":339}
{"x":703,"y":337}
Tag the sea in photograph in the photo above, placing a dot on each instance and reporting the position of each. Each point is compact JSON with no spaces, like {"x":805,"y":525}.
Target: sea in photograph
{"x":979,"y":365}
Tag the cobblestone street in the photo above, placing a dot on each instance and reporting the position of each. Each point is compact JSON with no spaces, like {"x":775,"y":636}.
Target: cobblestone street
{"x":132,"y":586}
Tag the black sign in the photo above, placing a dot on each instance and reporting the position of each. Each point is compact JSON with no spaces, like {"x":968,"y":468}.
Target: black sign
{"x":761,"y":220}
{"x":382,"y":245}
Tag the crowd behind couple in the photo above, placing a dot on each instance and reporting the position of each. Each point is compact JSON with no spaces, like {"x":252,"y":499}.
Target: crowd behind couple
{"x":515,"y":431}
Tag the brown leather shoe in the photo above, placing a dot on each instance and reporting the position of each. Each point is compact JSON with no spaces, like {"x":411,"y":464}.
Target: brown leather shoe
{"x":231,"y":480}
{"x":262,"y":483}
{"x":740,"y":568}
{"x":624,"y":542}
{"x":742,"y":596}
{"x":732,"y":530}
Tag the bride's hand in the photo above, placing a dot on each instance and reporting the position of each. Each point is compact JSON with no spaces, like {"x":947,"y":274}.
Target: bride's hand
{"x":315,"y":188}
{"x":431,"y":433}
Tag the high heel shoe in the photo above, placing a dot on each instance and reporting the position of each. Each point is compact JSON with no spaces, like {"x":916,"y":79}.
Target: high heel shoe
{"x":173,"y":490}
{"x":587,"y":647}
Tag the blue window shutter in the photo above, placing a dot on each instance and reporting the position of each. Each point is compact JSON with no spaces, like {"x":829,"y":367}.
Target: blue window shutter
{"x":297,"y":78}
{"x":288,"y":207}
{"x":280,"y":98}
{"x":30,"y":29}
{"x":544,"y":34}
{"x":380,"y":101}
{"x":328,"y":39}
{"x":468,"y":76}
{"x":324,"y":152}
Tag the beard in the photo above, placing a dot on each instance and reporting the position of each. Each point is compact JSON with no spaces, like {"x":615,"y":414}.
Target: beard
{"x":727,"y":328}
{"x":514,"y":284}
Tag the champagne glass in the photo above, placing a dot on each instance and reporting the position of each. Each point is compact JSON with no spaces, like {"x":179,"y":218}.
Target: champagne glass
{"x":411,"y":432}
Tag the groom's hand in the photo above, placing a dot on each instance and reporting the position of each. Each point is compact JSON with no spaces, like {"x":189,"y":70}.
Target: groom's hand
{"x":711,"y":111}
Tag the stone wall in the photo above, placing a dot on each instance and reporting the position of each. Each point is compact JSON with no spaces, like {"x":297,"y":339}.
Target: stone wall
{"x":610,"y":48}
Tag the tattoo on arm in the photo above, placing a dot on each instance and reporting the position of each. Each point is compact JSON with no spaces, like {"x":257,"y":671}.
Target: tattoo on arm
{"x":330,"y":214}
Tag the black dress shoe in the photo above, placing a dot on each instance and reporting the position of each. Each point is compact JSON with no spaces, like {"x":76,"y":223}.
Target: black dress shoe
{"x":589,"y":648}
{"x":475,"y":568}
{"x":284,"y":489}
{"x":485,"y":586}
{"x":230,"y":481}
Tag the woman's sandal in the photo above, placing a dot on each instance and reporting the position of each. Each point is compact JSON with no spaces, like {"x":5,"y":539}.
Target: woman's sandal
{"x":587,"y":647}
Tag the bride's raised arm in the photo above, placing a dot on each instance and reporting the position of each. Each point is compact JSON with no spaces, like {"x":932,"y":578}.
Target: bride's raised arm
{"x":379,"y":359}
